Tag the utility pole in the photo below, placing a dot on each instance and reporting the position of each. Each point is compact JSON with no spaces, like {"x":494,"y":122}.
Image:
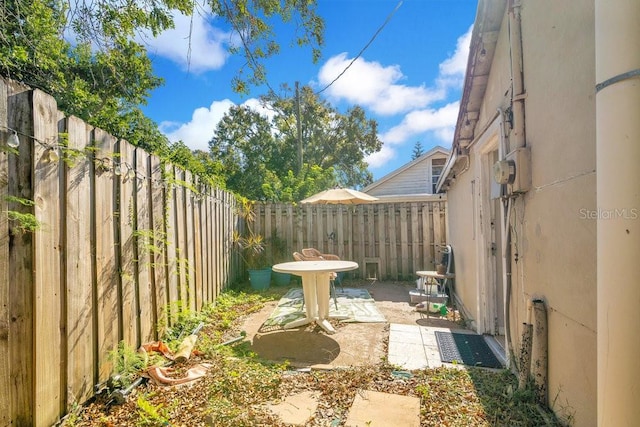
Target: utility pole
{"x":299,"y":128}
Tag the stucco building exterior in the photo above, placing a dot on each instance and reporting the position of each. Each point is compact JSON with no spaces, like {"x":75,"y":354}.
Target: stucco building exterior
{"x":529,"y":242}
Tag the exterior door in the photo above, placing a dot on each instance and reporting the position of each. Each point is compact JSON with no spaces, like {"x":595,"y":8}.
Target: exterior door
{"x":489,"y":229}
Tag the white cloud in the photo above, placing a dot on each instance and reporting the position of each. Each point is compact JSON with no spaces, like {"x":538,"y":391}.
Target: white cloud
{"x":257,"y":106}
{"x":456,"y":64}
{"x":370,"y":85}
{"x":197,"y":133}
{"x":374,"y":86}
{"x":193,"y":44}
{"x":378,"y":88}
{"x":380,"y":158}
{"x":438,"y":123}
{"x":441,"y":121}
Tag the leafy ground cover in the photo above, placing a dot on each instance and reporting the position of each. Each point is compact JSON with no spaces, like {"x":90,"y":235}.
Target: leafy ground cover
{"x":238,"y":384}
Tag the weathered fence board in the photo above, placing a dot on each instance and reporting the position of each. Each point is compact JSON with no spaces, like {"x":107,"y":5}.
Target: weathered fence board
{"x":393,"y":244}
{"x":171,"y":237}
{"x":21,"y":262}
{"x":390,"y":240}
{"x":79,"y":291}
{"x":197,"y":246}
{"x":104,"y":242}
{"x":404,"y":241}
{"x":158,"y":245}
{"x":181,"y":240}
{"x":427,"y":255}
{"x":5,"y":301}
{"x":143,"y":233}
{"x":189,"y":242}
{"x":217,"y":236}
{"x":127,"y":242}
{"x":207,"y":244}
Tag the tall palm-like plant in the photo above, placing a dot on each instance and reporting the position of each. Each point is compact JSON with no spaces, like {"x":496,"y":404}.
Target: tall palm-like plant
{"x":250,"y":245}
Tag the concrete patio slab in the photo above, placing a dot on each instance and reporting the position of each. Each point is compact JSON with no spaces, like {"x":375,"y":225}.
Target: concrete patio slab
{"x":296,"y":409}
{"x":376,"y":409}
{"x":415,"y":347}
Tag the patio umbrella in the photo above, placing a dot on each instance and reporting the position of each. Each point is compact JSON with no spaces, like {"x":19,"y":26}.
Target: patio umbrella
{"x":340,"y":196}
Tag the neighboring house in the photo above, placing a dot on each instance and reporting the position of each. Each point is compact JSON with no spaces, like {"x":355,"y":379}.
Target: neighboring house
{"x":416,"y":179}
{"x":529,"y":100}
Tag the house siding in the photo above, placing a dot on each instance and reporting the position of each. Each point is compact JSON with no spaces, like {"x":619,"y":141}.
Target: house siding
{"x":414,"y":178}
{"x":413,"y":181}
{"x":553,"y":248}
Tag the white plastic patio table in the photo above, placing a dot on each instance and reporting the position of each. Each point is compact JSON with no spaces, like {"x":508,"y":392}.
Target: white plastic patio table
{"x":315,"y":287}
{"x":430,"y":275}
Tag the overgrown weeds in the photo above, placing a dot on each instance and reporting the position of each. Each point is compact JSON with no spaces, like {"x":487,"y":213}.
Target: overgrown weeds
{"x":238,"y":385}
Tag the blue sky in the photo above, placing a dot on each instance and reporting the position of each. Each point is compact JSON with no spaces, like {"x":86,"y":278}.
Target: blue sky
{"x":409,"y":79}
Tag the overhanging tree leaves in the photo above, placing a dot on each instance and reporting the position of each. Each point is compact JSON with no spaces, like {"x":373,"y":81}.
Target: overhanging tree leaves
{"x":84,"y":53}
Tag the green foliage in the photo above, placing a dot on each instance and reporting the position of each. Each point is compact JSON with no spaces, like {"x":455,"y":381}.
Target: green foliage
{"x":504,"y":403}
{"x":87,"y":58}
{"x":237,"y":386}
{"x":22,"y":222}
{"x":251,"y":248}
{"x":219,"y":318}
{"x":129,"y":363}
{"x":278,"y":246}
{"x":289,"y":187}
{"x":151,"y":415}
{"x":147,"y":239}
{"x":249,"y":244}
{"x":252,"y":21}
{"x":260,"y":155}
{"x":20,"y":200}
{"x":185,"y":321}
{"x":417,"y":150}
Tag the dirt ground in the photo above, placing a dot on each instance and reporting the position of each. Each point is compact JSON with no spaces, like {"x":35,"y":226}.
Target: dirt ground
{"x":353,"y":344}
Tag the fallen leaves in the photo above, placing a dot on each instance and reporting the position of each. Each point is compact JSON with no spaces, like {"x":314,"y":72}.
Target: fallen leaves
{"x":237,"y":387}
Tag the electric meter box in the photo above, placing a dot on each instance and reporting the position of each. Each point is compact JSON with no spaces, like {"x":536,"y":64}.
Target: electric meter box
{"x":521,"y":158}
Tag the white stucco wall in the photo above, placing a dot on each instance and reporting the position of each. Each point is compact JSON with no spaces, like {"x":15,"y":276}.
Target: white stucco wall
{"x":553,"y":237}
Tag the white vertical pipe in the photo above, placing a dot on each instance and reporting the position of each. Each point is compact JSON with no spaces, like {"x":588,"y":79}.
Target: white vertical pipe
{"x":618,"y":194}
{"x":517,"y":136}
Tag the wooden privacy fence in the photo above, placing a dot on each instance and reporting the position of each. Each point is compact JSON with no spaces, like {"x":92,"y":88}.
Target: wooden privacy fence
{"x":389,"y":241}
{"x":94,"y":246}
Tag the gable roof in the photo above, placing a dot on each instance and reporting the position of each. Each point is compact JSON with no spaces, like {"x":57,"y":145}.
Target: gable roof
{"x":412,"y":164}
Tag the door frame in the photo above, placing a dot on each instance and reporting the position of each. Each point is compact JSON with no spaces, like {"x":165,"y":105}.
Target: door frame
{"x":488,"y":274}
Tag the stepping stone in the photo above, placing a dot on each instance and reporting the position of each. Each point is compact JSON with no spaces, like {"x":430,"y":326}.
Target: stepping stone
{"x":296,"y":409}
{"x":376,"y":409}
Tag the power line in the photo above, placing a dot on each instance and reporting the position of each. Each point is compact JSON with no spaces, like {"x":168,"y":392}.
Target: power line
{"x":364,"y":48}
